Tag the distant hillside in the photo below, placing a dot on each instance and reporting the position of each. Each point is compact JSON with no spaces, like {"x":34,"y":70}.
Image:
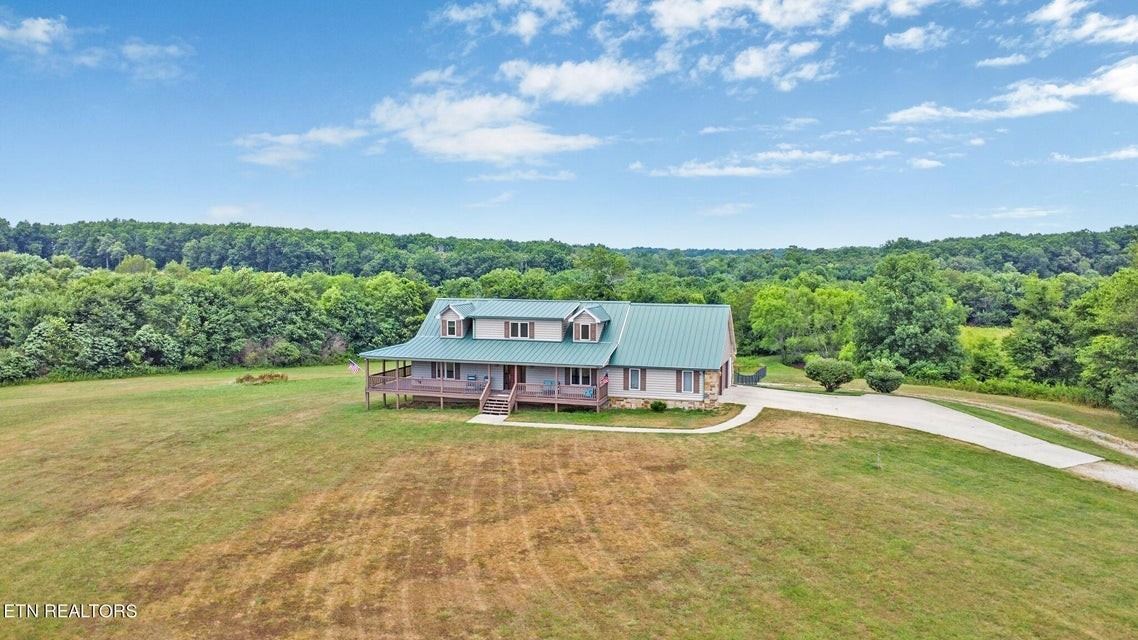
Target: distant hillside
{"x":295,"y":251}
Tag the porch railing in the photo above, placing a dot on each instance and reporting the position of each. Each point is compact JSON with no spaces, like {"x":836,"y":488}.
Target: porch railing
{"x":553,"y":392}
{"x":427,"y":386}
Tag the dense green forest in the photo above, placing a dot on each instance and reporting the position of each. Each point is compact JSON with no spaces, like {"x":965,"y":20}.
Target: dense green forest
{"x":119,"y":297}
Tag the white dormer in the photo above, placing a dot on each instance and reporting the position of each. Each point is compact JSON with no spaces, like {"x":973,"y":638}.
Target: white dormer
{"x":588,"y":323}
{"x":453,"y":322}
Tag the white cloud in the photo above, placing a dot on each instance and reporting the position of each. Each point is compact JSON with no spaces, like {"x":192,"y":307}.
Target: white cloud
{"x":478,"y":127}
{"x":1006,"y":213}
{"x":977,"y":142}
{"x":925,"y":163}
{"x":676,"y":18}
{"x":1061,"y":12}
{"x":575,"y":82}
{"x":1119,"y":82}
{"x":289,"y":149}
{"x":523,"y":18}
{"x":529,"y":175}
{"x":930,"y":36}
{"x":36,"y":35}
{"x":1063,"y":16}
{"x":622,"y":8}
{"x":724,"y":210}
{"x":501,"y":198}
{"x":1127,"y":153}
{"x":1005,"y":61}
{"x":776,"y":162}
{"x":712,"y":130}
{"x":155,"y":61}
{"x":780,"y":63}
{"x":438,"y":76}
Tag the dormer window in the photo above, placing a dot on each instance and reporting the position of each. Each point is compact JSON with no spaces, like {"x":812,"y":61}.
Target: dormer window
{"x":585,"y":331}
{"x":452,"y":328}
{"x":519,"y":330}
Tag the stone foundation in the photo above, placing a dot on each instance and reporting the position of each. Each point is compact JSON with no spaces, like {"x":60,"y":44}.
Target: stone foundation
{"x":643,"y":403}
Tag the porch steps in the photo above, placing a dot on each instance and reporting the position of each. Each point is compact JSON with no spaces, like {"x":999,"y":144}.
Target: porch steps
{"x":497,"y":405}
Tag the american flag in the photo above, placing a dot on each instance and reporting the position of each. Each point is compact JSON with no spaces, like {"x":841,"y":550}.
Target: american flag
{"x":353,"y":367}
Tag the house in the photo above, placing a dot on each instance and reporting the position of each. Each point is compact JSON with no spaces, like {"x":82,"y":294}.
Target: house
{"x":560,"y":352}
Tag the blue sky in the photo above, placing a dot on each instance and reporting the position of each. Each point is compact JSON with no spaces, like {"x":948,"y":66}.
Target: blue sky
{"x":674,"y":123}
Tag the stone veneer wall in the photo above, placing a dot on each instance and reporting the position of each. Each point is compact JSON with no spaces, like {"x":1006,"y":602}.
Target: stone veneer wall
{"x":710,"y":395}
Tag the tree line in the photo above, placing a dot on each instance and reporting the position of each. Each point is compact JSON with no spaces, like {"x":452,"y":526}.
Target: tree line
{"x":121,"y":296}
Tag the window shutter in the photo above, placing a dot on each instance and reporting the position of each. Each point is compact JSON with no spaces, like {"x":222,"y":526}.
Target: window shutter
{"x":576,"y":331}
{"x":679,"y":381}
{"x":456,"y":374}
{"x":531,"y":326}
{"x":568,"y":375}
{"x":443,"y":329}
{"x":626,"y":379}
{"x":434,"y":370}
{"x":643,"y":379}
{"x":506,"y":334}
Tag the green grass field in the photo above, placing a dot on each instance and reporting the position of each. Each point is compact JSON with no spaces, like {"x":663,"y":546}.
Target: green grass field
{"x":286,"y":510}
{"x":667,"y":419}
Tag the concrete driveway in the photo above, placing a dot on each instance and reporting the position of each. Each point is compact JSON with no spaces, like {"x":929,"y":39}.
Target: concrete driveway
{"x":920,"y":415}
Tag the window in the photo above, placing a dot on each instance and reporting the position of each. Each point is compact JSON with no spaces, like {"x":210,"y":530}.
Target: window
{"x":634,"y":379}
{"x":689,"y":381}
{"x":446,"y":370}
{"x":519,"y":329}
{"x":581,"y":376}
{"x":585,"y":331}
{"x":452,"y":328}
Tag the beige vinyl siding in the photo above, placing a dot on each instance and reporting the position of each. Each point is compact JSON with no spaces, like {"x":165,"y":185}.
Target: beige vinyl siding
{"x":540,"y":374}
{"x":661,"y":384}
{"x":449,"y":314}
{"x":492,"y":329}
{"x":421,"y":369}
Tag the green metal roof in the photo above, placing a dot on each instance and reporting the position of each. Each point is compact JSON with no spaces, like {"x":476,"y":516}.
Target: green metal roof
{"x":671,"y":336}
{"x":597,"y":311}
{"x":523,"y":309}
{"x":674,"y":336}
{"x":462,"y":308}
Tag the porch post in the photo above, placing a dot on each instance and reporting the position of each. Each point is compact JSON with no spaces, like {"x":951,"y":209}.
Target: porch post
{"x":396,"y":384}
{"x":367,"y":384}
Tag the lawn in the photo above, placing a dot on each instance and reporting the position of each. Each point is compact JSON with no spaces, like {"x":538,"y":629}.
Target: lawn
{"x":669,"y":418}
{"x":286,"y":510}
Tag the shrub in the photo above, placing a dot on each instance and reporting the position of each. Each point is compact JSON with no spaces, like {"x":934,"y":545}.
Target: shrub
{"x":658,"y":406}
{"x":883,"y":377}
{"x":264,"y":378}
{"x":1125,"y":399}
{"x":830,"y":373}
{"x":283,"y":353}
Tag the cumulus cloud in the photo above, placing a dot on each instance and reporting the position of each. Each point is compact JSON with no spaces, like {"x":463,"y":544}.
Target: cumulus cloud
{"x":148,"y":61}
{"x":781,"y":63}
{"x":38,"y":36}
{"x":438,"y":76}
{"x":477,"y":127}
{"x":925,"y":163}
{"x":575,"y":82}
{"x":289,"y":149}
{"x":1127,"y":153}
{"x":525,"y":19}
{"x":930,"y":36}
{"x":676,"y":18}
{"x":776,"y":162}
{"x":1004,"y":61}
{"x":1068,"y":24}
{"x":52,"y":43}
{"x":1119,"y":82}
